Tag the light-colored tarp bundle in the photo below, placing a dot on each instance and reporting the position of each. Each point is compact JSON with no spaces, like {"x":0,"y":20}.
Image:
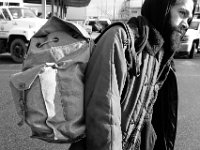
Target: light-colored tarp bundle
{"x":48,"y":92}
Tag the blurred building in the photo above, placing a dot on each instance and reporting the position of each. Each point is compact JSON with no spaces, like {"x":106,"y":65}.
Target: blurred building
{"x":112,"y":9}
{"x":36,"y":6}
{"x":97,"y":8}
{"x":131,"y":8}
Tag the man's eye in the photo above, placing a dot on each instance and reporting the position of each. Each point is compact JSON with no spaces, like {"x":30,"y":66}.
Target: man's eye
{"x":183,"y":14}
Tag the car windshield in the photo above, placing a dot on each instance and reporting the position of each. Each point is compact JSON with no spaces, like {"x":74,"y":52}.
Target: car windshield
{"x":194,"y":25}
{"x":22,"y":13}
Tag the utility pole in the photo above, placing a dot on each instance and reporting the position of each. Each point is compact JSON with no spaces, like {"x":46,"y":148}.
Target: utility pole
{"x":44,"y":9}
{"x":142,"y":2}
{"x":52,"y":7}
{"x":106,"y":7}
{"x":114,"y":9}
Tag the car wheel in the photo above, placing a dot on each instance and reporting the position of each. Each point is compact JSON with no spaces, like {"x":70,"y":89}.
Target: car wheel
{"x":191,"y":54}
{"x":18,"y":50}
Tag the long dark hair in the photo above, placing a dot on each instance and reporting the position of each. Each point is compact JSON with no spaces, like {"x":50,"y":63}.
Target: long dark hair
{"x":156,"y":11}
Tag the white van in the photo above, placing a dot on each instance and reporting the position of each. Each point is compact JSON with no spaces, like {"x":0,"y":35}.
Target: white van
{"x":17,"y":26}
{"x":11,"y":2}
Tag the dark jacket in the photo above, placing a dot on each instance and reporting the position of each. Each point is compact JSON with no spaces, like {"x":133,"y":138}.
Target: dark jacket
{"x":164,"y":118}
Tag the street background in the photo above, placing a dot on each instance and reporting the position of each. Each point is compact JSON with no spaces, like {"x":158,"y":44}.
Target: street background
{"x":13,"y":137}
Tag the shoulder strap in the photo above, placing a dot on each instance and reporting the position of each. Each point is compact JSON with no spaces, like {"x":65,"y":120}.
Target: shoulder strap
{"x":131,"y":55}
{"x":122,"y":24}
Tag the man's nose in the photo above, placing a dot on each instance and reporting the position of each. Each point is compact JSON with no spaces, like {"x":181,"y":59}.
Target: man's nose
{"x":185,"y":24}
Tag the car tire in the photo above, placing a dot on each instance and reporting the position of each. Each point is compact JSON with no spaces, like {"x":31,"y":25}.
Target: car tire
{"x":191,"y":54}
{"x":18,"y":49}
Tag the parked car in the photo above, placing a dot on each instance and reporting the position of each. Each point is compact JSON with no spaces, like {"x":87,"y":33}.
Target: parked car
{"x":190,"y":42}
{"x":17,"y":26}
{"x":94,"y":26}
{"x":197,"y":15}
{"x":97,"y":24}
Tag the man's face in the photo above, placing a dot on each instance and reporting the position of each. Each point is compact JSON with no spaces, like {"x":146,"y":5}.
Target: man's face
{"x":177,"y":24}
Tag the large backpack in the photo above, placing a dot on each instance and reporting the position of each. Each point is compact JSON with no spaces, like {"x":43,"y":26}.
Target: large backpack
{"x":48,"y":92}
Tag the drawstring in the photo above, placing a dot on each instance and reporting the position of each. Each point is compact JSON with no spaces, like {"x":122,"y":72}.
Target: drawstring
{"x":167,"y":64}
{"x":39,"y":45}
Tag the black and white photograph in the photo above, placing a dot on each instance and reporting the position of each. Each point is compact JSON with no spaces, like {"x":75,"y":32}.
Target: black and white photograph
{"x":99,"y":74}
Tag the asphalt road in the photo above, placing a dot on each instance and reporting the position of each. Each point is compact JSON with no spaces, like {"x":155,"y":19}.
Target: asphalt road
{"x":13,"y":137}
{"x":188,"y":134}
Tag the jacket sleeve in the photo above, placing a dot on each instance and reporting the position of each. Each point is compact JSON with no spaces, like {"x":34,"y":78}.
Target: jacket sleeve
{"x":105,"y":77}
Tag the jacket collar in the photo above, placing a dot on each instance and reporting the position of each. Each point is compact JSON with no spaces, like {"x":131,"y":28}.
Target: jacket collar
{"x":147,"y":37}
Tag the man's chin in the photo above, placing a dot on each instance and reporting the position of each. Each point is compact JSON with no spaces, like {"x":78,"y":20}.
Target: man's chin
{"x":175,"y":41}
{"x":175,"y":47}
